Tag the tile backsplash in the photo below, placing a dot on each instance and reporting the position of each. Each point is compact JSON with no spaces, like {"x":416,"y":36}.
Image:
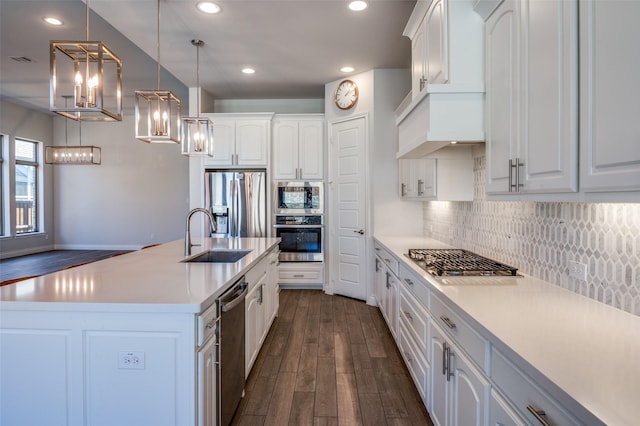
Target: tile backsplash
{"x":541,"y":238}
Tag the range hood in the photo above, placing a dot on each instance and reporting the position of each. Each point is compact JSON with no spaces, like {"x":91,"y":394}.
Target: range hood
{"x":447,"y":39}
{"x":439,"y":115}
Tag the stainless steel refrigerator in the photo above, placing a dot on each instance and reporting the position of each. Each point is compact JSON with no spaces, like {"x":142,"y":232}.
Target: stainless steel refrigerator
{"x":238,"y":201}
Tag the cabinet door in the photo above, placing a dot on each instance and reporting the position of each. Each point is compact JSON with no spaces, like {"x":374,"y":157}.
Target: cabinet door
{"x":501,"y":413}
{"x":425,"y":176}
{"x":502,"y":103}
{"x":380,"y":282}
{"x":252,"y":137}
{"x":469,"y":392}
{"x":392,"y":304}
{"x":549,"y":53}
{"x":439,"y":399}
{"x":418,"y":58}
{"x":437,"y":43}
{"x":207,"y":395}
{"x":609,"y":93}
{"x":310,"y":152}
{"x":253,"y":329}
{"x":285,"y":150}
{"x":224,"y":135}
{"x":407,"y":178}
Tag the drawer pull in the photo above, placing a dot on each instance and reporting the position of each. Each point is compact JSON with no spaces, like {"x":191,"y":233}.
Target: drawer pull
{"x":539,"y":415}
{"x":408,"y":315}
{"x":387,"y":260}
{"x":408,"y":281}
{"x":211,"y":324}
{"x":447,"y":321}
{"x":298,"y":275}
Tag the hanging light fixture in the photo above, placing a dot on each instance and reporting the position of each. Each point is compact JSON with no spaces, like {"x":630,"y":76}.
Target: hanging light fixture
{"x":67,"y":154}
{"x":157,"y":112}
{"x":197,"y":133}
{"x":92,"y":72}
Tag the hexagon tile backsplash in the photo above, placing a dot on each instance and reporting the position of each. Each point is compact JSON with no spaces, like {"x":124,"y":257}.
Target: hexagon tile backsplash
{"x":540,"y":239}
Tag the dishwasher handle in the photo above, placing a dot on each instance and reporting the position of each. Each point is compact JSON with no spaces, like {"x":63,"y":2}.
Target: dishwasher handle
{"x":238,"y":294}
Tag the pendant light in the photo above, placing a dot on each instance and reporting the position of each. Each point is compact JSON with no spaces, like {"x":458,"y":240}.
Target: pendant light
{"x":67,"y":154}
{"x":157,"y":112}
{"x":92,"y":72}
{"x":197,"y":133}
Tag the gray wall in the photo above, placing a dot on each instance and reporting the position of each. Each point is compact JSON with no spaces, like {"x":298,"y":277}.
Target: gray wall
{"x":541,"y":238}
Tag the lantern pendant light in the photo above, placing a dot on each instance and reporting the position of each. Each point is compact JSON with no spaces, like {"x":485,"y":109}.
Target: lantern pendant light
{"x":197,"y":133}
{"x":92,"y":72}
{"x":68,"y":154}
{"x":157,"y":112}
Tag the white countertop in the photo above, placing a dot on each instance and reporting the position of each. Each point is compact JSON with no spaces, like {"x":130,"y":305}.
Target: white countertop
{"x":149,"y":280}
{"x":589,"y":350}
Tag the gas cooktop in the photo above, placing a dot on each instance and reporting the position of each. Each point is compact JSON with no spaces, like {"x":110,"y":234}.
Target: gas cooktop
{"x":458,"y":262}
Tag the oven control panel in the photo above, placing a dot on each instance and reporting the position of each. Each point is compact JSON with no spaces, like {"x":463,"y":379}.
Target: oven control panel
{"x":299,"y":220}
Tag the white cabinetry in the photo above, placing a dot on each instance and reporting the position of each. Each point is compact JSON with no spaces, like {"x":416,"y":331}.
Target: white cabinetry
{"x":301,"y":274}
{"x":501,"y":413}
{"x":298,"y":147}
{"x":444,"y":176}
{"x":532,"y":110}
{"x":460,"y":393}
{"x":429,"y":45}
{"x":387,"y":288}
{"x":239,"y":141}
{"x":609,"y":93}
{"x":207,"y":379}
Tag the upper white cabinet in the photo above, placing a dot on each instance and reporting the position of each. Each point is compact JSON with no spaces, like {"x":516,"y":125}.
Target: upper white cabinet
{"x":298,"y":147}
{"x":240,"y":141}
{"x":447,"y":97}
{"x":532,"y":97}
{"x":429,"y":44}
{"x":609,"y":93}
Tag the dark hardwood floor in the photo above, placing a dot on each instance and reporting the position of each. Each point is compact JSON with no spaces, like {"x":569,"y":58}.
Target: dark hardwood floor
{"x":49,"y":261}
{"x":329,"y":360}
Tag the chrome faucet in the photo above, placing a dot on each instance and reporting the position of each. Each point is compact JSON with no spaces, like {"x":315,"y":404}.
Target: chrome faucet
{"x":187,"y":237}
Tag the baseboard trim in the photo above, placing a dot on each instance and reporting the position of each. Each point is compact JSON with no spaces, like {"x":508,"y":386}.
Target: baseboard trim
{"x":96,"y":247}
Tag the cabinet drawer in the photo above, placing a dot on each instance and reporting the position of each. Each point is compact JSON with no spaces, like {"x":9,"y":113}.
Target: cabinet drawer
{"x":387,"y":258}
{"x":470,"y":341}
{"x":416,"y":285}
{"x":415,"y":319}
{"x":416,"y":363}
{"x":297,"y":275}
{"x":207,"y":324}
{"x":525,"y":394}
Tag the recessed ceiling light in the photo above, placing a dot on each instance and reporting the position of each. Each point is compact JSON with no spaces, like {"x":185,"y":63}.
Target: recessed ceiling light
{"x":208,"y":7}
{"x":358,"y":5}
{"x":52,"y":21}
{"x":347,"y":69}
{"x":248,"y":71}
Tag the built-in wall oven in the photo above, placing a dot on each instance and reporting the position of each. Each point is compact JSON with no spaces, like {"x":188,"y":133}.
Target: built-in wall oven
{"x":302,"y":237}
{"x":299,"y":198}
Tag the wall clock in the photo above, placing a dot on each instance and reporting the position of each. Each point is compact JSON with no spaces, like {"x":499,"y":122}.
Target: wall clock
{"x":346,"y":94}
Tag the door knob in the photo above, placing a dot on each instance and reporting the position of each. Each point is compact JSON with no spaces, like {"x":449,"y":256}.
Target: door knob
{"x":359,"y":231}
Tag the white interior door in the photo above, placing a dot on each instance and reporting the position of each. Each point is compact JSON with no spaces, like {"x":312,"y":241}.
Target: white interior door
{"x":348,"y":214}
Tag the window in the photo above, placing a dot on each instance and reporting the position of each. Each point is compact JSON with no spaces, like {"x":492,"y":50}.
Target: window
{"x":27,"y":209}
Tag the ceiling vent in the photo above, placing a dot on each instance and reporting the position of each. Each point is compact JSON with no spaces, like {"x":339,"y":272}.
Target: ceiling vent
{"x":23,"y":59}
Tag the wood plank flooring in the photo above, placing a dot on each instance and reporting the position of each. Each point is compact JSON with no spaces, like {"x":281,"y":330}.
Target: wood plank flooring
{"x":329,"y":360}
{"x":49,"y":261}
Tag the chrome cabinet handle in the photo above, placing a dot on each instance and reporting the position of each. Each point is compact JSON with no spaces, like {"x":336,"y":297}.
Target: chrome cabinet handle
{"x":408,"y":281}
{"x":211,"y":324}
{"x":447,"y":321}
{"x":445,"y":356}
{"x":387,"y":280}
{"x":359,"y":231}
{"x":449,"y":355}
{"x":510,"y":175}
{"x":260,"y":297}
{"x":298,"y":275}
{"x":408,"y":315}
{"x":377,"y":265}
{"x":403,"y":189}
{"x":420,"y":187}
{"x":423,"y":82}
{"x":539,"y":415}
{"x":408,"y":355}
{"x":515,"y":187}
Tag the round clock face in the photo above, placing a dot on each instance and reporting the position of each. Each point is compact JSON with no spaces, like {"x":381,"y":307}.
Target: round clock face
{"x":346,"y":94}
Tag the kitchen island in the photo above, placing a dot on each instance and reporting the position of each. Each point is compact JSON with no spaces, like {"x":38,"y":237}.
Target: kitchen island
{"x":114,"y":341}
{"x":527,"y":341}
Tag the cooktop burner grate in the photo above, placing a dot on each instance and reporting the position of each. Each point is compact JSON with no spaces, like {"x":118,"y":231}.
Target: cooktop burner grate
{"x":454,"y":262}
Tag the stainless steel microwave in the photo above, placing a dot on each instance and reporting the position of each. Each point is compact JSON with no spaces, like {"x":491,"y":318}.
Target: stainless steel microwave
{"x":298,"y":197}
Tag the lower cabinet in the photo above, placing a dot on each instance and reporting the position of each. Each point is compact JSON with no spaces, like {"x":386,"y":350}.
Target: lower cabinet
{"x":460,"y":392}
{"x":387,"y":295}
{"x":301,"y":274}
{"x":207,"y":389}
{"x":501,"y":413}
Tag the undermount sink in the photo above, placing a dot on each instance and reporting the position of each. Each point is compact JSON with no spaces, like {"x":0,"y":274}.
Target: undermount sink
{"x":218,"y":256}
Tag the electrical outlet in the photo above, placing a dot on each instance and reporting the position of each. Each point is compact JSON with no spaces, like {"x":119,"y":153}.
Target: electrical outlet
{"x":578,"y":270}
{"x":131,"y":360}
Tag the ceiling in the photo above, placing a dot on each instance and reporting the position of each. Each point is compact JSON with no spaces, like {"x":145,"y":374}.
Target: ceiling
{"x":295,"y":46}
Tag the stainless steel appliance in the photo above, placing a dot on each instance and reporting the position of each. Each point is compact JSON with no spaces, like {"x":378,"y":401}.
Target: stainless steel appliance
{"x":458,"y":262}
{"x":238,"y":201}
{"x":299,"y":198}
{"x":302,"y":238}
{"x":231,"y":350}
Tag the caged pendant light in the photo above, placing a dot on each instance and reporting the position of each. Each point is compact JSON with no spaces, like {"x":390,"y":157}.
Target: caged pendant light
{"x":68,"y":154}
{"x":157,"y":112}
{"x":197,"y":133}
{"x":92,"y":72}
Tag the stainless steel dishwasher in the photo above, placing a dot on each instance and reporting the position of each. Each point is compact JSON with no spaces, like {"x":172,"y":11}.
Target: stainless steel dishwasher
{"x":231,"y":351}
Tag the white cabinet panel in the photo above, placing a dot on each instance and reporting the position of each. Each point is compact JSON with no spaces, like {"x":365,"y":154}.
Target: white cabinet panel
{"x":239,"y":142}
{"x":298,"y":149}
{"x":224,"y":136}
{"x":609,"y":108}
{"x":207,"y":383}
{"x":437,"y":43}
